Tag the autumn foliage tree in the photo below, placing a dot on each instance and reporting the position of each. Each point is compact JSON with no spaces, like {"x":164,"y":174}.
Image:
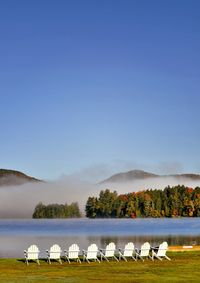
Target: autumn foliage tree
{"x":177,"y":201}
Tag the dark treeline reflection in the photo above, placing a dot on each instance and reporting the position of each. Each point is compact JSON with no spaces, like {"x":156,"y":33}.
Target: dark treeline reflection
{"x":175,"y":240}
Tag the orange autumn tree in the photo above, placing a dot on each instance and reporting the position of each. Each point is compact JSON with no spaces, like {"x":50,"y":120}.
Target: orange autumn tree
{"x":177,"y":201}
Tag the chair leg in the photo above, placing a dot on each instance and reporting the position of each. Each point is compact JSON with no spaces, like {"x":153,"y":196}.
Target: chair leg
{"x":151,"y":258}
{"x":103,"y":256}
{"x":155,"y":255}
{"x":98,"y":260}
{"x":138,"y":256}
{"x":78,"y":259}
{"x":167,"y":257}
{"x":116,"y":258}
{"x":68,"y":259}
{"x":134,"y":258}
{"x":123,"y":257}
{"x":141,"y":258}
{"x":38,"y":262}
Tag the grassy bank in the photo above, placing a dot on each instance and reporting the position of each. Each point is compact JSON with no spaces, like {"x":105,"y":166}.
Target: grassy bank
{"x":184,"y":267}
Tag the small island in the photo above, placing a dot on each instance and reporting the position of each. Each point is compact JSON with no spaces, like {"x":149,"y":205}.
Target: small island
{"x":57,"y":210}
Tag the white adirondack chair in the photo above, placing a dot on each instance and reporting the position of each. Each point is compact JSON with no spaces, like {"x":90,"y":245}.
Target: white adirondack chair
{"x":144,"y":252}
{"x":128,"y":251}
{"x":73,"y":253}
{"x":108,"y":252}
{"x":160,"y":252}
{"x":32,"y":253}
{"x":91,"y":253}
{"x":54,"y":253}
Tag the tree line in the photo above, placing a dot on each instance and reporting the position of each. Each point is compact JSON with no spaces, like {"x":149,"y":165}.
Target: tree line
{"x":177,"y":201}
{"x":56,"y":210}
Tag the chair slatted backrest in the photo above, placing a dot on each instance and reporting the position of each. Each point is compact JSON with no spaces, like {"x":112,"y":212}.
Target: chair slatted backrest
{"x":55,"y":252}
{"x":162,"y":249}
{"x":128,"y":250}
{"x":145,"y":248}
{"x":92,"y":251}
{"x":33,"y":252}
{"x":110,"y":250}
{"x":73,"y":251}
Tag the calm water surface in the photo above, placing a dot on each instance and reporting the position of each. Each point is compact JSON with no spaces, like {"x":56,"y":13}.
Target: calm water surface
{"x":17,"y":235}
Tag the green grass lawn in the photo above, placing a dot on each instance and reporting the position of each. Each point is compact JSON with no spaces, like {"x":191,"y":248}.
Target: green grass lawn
{"x":184,"y":267}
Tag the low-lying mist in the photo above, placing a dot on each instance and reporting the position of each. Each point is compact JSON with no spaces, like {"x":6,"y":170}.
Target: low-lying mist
{"x":151,"y":183}
{"x":20,"y":201}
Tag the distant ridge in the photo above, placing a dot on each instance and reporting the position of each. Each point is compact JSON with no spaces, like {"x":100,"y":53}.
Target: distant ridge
{"x":14,"y":178}
{"x":135,"y":175}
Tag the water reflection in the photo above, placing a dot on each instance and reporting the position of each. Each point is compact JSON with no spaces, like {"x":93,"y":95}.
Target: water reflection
{"x":174,"y":240}
{"x":14,"y":246}
{"x":17,"y":235}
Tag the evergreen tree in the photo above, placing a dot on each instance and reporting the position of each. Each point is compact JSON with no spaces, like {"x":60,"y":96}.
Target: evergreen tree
{"x":171,"y":202}
{"x":56,"y":211}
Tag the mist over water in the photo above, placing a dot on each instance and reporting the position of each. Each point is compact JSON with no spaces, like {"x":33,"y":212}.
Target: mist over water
{"x":20,"y":201}
{"x":151,"y":183}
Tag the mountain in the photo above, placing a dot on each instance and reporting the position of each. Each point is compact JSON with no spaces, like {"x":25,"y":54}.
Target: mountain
{"x":129,"y":176}
{"x":14,"y":178}
{"x":136,"y":175}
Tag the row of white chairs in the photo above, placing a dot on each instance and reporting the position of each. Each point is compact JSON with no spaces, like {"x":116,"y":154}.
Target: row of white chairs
{"x":93,"y":253}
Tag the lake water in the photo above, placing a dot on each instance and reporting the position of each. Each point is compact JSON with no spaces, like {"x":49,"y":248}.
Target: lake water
{"x":17,"y":235}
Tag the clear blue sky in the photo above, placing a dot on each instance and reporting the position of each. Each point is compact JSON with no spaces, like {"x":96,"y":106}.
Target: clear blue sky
{"x":84,"y":83}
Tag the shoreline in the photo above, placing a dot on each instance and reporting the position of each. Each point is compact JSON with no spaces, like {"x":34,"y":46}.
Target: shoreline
{"x":194,"y":248}
{"x":183,"y":248}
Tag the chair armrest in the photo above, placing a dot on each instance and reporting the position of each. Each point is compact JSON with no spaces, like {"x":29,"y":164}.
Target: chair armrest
{"x":32,"y":252}
{"x":102,"y":250}
{"x":154,"y":248}
{"x":137,"y":252}
{"x":121,"y":250}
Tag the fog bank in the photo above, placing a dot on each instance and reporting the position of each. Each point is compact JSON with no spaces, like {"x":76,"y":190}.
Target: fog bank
{"x":20,"y":201}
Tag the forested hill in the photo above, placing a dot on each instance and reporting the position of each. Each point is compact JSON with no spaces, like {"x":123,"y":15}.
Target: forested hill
{"x":135,"y":175}
{"x":14,"y":178}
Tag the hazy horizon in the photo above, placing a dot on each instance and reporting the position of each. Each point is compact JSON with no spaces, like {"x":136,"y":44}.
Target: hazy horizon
{"x":20,"y":201}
